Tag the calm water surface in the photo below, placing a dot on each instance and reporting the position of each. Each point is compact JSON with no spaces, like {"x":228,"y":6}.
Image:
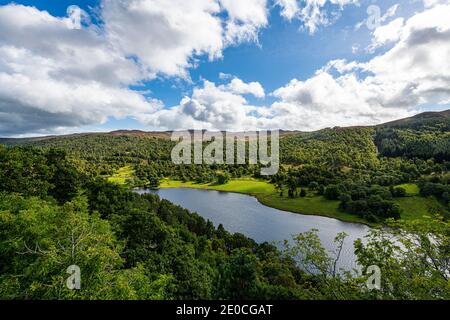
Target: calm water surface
{"x":244,"y":214}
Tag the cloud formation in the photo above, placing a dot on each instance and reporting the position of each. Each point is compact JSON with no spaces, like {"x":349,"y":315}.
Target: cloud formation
{"x":69,"y":77}
{"x":80,"y":73}
{"x":211,"y":107}
{"x":58,"y":72}
{"x":245,"y":19}
{"x":413,"y":72}
{"x":312,"y":13}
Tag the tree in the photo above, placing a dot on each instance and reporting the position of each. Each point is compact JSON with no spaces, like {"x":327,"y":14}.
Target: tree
{"x":40,"y":240}
{"x":314,"y":186}
{"x":65,"y":179}
{"x":239,"y":276}
{"x":223,"y":178}
{"x":332,"y":192}
{"x":321,"y":265}
{"x":413,"y":256}
{"x":303,"y":193}
{"x":153,"y":182}
{"x":398,"y":192}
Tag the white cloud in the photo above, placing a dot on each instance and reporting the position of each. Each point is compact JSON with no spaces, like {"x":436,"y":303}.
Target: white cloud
{"x":245,"y":19}
{"x":240,"y":87}
{"x":388,"y":33}
{"x":67,"y":72}
{"x":209,"y":107}
{"x":77,"y":16}
{"x":167,"y":36}
{"x":390,"y":12}
{"x":415,"y":71}
{"x":289,"y":8}
{"x":432,"y":3}
{"x":312,"y":13}
{"x":164,"y":35}
{"x":54,"y":73}
{"x":79,"y":74}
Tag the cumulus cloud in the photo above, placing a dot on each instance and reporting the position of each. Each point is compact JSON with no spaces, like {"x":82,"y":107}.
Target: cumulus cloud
{"x":413,"y":72}
{"x":312,"y":13}
{"x":164,"y":35}
{"x":67,"y":72}
{"x":53,"y":73}
{"x":167,"y":36}
{"x":240,"y":87}
{"x":289,"y":8}
{"x":245,"y":19}
{"x":387,"y":33}
{"x":209,"y":107}
{"x":80,"y":73}
{"x":432,"y":3}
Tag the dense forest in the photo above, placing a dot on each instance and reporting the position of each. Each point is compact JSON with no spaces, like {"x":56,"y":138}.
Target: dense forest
{"x":57,"y":209}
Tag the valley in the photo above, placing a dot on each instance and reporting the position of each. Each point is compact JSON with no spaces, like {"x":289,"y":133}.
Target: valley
{"x":158,"y":230}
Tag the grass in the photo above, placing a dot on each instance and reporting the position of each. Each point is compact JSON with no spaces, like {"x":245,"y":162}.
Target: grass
{"x":411,"y":188}
{"x":122,"y":175}
{"x":310,"y":205}
{"x":247,"y":186}
{"x":414,"y":206}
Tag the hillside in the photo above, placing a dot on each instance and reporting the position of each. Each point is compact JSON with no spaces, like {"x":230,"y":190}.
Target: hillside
{"x":422,"y":136}
{"x":422,"y":121}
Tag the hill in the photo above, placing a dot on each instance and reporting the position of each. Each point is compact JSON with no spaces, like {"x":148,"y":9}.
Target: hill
{"x":422,"y":121}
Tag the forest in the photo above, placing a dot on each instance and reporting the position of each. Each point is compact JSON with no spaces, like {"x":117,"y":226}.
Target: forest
{"x":59,"y":207}
{"x":366,"y":169}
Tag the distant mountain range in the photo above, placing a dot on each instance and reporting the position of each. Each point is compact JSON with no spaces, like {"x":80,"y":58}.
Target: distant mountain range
{"x":419,"y":121}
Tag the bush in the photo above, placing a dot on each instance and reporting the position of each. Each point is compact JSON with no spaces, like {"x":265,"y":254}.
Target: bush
{"x":398,"y":192}
{"x":332,"y":192}
{"x":223,"y":178}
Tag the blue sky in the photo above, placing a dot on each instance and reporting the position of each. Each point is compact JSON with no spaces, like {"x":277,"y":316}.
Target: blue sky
{"x":280,"y":51}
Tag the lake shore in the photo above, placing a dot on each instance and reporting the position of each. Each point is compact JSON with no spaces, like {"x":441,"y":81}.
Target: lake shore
{"x":413,"y":206}
{"x":266,"y":194}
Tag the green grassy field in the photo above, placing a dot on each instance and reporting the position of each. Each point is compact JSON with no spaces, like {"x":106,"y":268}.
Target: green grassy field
{"x":411,"y":188}
{"x":248,"y":186}
{"x":122,"y":175}
{"x":414,"y":207}
{"x":310,"y":205}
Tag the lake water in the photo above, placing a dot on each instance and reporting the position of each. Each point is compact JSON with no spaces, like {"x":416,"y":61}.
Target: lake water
{"x":244,"y":214}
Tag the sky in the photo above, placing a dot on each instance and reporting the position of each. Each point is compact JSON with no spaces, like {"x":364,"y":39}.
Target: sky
{"x":103,"y":65}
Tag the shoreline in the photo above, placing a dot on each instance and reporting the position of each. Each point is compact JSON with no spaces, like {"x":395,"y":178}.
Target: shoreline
{"x":260,"y":198}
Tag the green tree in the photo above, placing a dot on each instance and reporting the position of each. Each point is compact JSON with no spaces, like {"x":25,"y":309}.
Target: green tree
{"x":223,"y":178}
{"x":414,"y":258}
{"x":39,"y":241}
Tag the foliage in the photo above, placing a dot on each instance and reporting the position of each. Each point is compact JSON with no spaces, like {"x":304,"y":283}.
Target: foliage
{"x":414,"y":259}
